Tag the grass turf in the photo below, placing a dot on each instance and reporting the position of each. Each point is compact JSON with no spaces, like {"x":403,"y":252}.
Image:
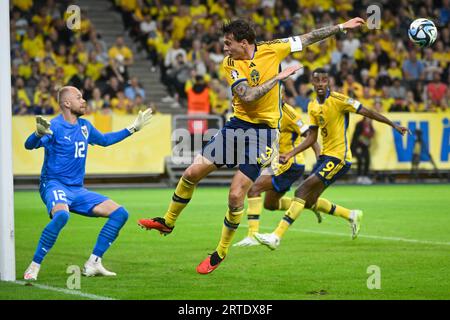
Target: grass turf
{"x":314,"y":261}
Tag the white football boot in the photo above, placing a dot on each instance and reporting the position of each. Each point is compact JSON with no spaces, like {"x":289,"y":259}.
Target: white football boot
{"x":247,"y":242}
{"x":270,"y":240}
{"x":93,"y":267}
{"x":355,"y":222}
{"x":32,"y":271}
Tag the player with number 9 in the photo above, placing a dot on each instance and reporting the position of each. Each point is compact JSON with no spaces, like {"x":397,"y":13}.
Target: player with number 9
{"x":329,"y":113}
{"x":65,"y":140}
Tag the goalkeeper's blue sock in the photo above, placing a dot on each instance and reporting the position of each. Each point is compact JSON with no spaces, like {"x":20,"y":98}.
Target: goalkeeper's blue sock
{"x":110,"y":231}
{"x":49,"y":235}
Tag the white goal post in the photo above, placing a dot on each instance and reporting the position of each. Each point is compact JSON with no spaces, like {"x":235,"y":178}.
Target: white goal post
{"x":7,"y":249}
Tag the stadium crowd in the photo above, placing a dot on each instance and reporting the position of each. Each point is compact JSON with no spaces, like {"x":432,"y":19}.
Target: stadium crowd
{"x":381,"y":68}
{"x":46,"y":54}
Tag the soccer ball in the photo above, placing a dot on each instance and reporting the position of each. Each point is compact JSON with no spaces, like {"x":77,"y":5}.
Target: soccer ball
{"x":422,"y":32}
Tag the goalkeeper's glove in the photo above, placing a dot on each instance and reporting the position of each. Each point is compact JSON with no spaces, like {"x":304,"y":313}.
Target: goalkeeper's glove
{"x":142,"y":119}
{"x":42,"y":126}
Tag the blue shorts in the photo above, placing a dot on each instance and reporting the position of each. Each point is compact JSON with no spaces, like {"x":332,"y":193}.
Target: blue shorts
{"x":283,"y":182}
{"x":329,"y":169}
{"x":78,"y":199}
{"x":248,"y":145}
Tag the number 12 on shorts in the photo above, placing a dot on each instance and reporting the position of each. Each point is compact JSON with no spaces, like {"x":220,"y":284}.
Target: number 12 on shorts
{"x":59,"y":195}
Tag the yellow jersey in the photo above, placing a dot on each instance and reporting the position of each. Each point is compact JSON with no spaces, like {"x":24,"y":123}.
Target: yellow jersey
{"x":264,"y":65}
{"x":292,"y":128}
{"x":332,"y":118}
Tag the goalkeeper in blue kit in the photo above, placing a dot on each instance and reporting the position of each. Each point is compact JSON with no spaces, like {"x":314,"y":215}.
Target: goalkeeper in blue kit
{"x":65,"y":140}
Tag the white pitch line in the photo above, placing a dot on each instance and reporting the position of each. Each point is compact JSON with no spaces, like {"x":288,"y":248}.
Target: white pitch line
{"x":348,"y":235}
{"x":66,"y":291}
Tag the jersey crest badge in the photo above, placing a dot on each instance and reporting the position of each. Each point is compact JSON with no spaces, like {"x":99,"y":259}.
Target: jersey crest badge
{"x":84,"y":131}
{"x":254,"y":75}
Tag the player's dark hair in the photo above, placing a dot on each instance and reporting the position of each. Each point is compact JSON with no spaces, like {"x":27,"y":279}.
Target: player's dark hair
{"x":240,"y":29}
{"x":320,"y":70}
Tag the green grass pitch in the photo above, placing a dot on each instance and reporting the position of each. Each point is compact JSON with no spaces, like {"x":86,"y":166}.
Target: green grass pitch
{"x":405,"y":232}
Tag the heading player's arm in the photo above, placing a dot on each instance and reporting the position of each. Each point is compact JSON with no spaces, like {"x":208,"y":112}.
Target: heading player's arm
{"x":380,"y":118}
{"x":249,"y":94}
{"x":107,"y":139}
{"x":325,"y":32}
{"x":309,"y":141}
{"x":35,"y":140}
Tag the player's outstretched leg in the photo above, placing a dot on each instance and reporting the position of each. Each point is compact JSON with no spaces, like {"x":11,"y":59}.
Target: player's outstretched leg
{"x":46,"y":242}
{"x":110,"y":231}
{"x":180,"y":200}
{"x":181,"y":197}
{"x":354,"y":217}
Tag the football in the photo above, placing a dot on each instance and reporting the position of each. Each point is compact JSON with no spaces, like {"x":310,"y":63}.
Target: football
{"x":422,"y":32}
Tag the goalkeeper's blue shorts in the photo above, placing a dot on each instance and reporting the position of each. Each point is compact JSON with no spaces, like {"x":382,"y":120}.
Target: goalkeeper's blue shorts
{"x":78,"y":199}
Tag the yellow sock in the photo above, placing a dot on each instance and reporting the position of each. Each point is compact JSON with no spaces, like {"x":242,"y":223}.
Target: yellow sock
{"x":291,"y":214}
{"x":180,"y":199}
{"x":324,"y":205}
{"x":285,"y":203}
{"x":255,"y":206}
{"x":230,"y":224}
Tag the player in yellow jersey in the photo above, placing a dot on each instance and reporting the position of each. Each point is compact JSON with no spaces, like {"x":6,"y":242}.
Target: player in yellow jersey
{"x":330,"y":113}
{"x":278,"y":179}
{"x":249,"y":139}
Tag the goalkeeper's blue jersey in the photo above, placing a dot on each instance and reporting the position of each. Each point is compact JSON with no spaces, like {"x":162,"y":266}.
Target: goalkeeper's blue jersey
{"x":66,"y":149}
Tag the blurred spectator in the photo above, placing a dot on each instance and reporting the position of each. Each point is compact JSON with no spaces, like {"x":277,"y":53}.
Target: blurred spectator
{"x":302,"y":100}
{"x":397,"y":91}
{"x":148,"y":29}
{"x":350,"y":44}
{"x":46,"y":107}
{"x":444,"y":13}
{"x":134,"y":89}
{"x":121,"y":104}
{"x":436,"y":93}
{"x":290,"y":82}
{"x":198,"y":104}
{"x":96,"y":103}
{"x":352,"y":88}
{"x":431,"y":65}
{"x":360,"y":147}
{"x":120,"y":53}
{"x":88,"y":88}
{"x":198,"y":57}
{"x":336,"y":57}
{"x":177,"y":76}
{"x":77,"y":79}
{"x":413,"y":69}
{"x":21,"y":92}
{"x":138,"y":104}
{"x":412,"y":104}
{"x":113,"y":87}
